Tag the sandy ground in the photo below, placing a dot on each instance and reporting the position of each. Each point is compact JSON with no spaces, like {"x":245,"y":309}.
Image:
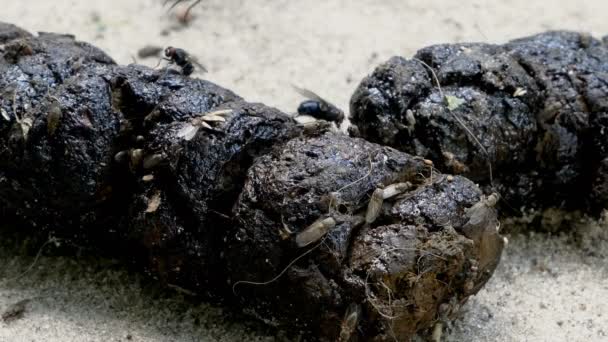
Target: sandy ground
{"x":548,"y":288}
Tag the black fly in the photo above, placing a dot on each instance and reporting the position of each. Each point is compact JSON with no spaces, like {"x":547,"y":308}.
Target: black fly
{"x":182,"y":59}
{"x":318,"y":108}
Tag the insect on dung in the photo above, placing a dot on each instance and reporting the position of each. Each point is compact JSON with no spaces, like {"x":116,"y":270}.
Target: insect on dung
{"x":483,"y":209}
{"x":379,"y":195}
{"x":182,"y":59}
{"x":189,"y":130}
{"x":318,"y":108}
{"x":350,"y":321}
{"x":54,"y":116}
{"x":315,"y":231}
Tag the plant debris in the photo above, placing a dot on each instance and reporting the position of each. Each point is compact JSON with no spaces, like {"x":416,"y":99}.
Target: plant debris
{"x":16,"y":311}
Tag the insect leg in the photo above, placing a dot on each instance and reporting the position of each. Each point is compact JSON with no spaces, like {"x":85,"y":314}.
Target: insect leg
{"x":189,"y":9}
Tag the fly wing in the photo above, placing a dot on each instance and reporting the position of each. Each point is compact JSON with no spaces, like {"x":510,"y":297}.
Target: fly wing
{"x":481,"y":212}
{"x":478,"y":214}
{"x":195,"y":61}
{"x":313,"y":96}
{"x":308,"y":94}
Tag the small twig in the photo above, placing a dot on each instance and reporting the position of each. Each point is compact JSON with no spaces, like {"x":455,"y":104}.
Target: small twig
{"x":460,"y":122}
{"x":419,"y":250}
{"x":255,"y":283}
{"x":390,"y":305}
{"x":50,"y":240}
{"x":369,"y":173}
{"x":480,"y":31}
{"x":220,"y":214}
{"x":372,"y":301}
{"x":371,"y":167}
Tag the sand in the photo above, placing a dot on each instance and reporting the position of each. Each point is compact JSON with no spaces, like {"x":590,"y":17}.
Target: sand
{"x":547,"y":288}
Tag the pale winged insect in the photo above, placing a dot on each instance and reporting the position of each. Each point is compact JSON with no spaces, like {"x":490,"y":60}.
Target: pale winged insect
{"x":480,"y":211}
{"x":379,"y":195}
{"x":315,"y":231}
{"x":53,"y":117}
{"x":374,"y":206}
{"x":5,"y":114}
{"x":350,"y":321}
{"x":154,"y":202}
{"x":23,"y":123}
{"x":188,"y":130}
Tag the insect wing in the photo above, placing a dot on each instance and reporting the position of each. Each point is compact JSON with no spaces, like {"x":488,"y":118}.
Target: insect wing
{"x":308,"y":94}
{"x":315,"y":231}
{"x":313,"y":96}
{"x":195,"y":61}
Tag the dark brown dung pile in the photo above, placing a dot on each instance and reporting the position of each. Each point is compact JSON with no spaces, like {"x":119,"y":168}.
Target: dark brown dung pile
{"x":538,"y":106}
{"x":319,"y":233}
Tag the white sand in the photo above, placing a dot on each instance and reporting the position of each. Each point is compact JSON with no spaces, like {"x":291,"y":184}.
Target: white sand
{"x":546,"y":289}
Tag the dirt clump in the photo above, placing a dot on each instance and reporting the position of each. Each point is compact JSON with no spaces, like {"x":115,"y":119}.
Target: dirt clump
{"x":534,"y":108}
